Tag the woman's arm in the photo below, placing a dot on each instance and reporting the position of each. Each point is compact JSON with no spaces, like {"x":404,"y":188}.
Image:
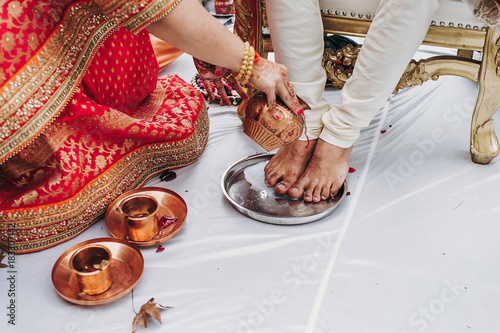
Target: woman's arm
{"x":192,"y":29}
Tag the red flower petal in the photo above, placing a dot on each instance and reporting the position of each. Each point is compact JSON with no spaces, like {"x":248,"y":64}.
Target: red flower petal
{"x":348,"y":193}
{"x":160,"y":248}
{"x":383,"y":131}
{"x":351,"y":170}
{"x":166,"y":220}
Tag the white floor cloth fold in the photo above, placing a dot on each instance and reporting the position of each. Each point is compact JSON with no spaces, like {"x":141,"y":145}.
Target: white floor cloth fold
{"x":414,"y":248}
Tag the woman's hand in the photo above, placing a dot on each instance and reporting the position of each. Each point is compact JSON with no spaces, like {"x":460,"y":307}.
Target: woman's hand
{"x":210,"y":73}
{"x":272,"y":79}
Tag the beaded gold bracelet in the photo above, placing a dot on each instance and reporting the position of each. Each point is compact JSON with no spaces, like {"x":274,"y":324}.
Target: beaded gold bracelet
{"x":247,"y":65}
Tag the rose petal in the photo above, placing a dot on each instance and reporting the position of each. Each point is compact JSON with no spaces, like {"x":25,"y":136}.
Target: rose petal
{"x":351,"y":170}
{"x":166,"y":220}
{"x":160,"y":248}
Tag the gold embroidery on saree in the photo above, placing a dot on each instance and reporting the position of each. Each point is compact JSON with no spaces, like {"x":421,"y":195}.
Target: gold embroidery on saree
{"x":136,"y":14}
{"x":64,"y":220}
{"x":151,"y":103}
{"x":25,"y":107}
{"x":151,"y":12}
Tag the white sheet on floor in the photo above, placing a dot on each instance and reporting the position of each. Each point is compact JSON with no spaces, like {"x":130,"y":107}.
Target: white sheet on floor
{"x":414,"y":248}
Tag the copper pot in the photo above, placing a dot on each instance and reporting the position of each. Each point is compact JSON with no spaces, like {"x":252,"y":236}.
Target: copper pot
{"x":140,"y":214}
{"x":269,"y":132}
{"x":91,"y":266}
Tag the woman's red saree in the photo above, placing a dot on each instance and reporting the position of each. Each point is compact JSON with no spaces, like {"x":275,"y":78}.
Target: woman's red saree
{"x":83,"y":117}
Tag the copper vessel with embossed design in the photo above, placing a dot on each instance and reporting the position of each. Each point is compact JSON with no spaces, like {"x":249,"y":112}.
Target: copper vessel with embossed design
{"x":270,"y":132}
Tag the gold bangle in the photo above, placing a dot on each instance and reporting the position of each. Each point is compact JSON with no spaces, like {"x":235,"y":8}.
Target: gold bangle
{"x":247,"y":74}
{"x":247,"y":64}
{"x":244,"y":64}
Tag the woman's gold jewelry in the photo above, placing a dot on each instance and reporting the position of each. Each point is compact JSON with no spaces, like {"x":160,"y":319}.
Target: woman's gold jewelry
{"x":247,"y":65}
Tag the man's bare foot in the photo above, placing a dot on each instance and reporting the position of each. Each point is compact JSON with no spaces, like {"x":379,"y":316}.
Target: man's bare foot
{"x":324,"y":174}
{"x":287,"y":165}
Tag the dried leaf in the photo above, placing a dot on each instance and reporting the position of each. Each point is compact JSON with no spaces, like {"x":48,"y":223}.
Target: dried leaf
{"x":2,"y":265}
{"x":148,"y":308}
{"x":140,"y":319}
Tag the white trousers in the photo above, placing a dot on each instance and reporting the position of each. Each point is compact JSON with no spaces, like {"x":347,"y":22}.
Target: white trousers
{"x":395,"y":34}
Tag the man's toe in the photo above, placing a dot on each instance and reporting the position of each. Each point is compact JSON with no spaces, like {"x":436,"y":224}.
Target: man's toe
{"x":295,"y":191}
{"x":282,"y":187}
{"x":273,"y":177}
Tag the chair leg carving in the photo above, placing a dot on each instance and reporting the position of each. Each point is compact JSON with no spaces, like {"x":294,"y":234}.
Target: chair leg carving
{"x":339,"y":64}
{"x":418,"y":72}
{"x":483,"y":142}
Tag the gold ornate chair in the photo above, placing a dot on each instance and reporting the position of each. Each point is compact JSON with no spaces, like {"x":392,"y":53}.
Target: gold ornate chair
{"x":453,"y":26}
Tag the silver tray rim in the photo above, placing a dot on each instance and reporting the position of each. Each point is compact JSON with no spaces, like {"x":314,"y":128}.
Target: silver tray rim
{"x":256,"y":158}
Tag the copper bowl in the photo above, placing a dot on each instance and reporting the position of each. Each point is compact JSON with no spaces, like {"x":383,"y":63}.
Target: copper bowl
{"x":140,"y":216}
{"x":262,"y":127}
{"x":169,"y":204}
{"x":91,"y":267}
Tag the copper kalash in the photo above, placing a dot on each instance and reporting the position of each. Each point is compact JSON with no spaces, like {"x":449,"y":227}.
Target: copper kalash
{"x":270,"y":132}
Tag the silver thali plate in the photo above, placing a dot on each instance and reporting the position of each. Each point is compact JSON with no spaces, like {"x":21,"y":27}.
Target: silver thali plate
{"x":243,"y":185}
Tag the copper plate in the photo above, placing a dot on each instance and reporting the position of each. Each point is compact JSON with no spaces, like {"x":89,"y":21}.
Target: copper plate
{"x":126,"y":268}
{"x":247,"y":192}
{"x":171,"y":204}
